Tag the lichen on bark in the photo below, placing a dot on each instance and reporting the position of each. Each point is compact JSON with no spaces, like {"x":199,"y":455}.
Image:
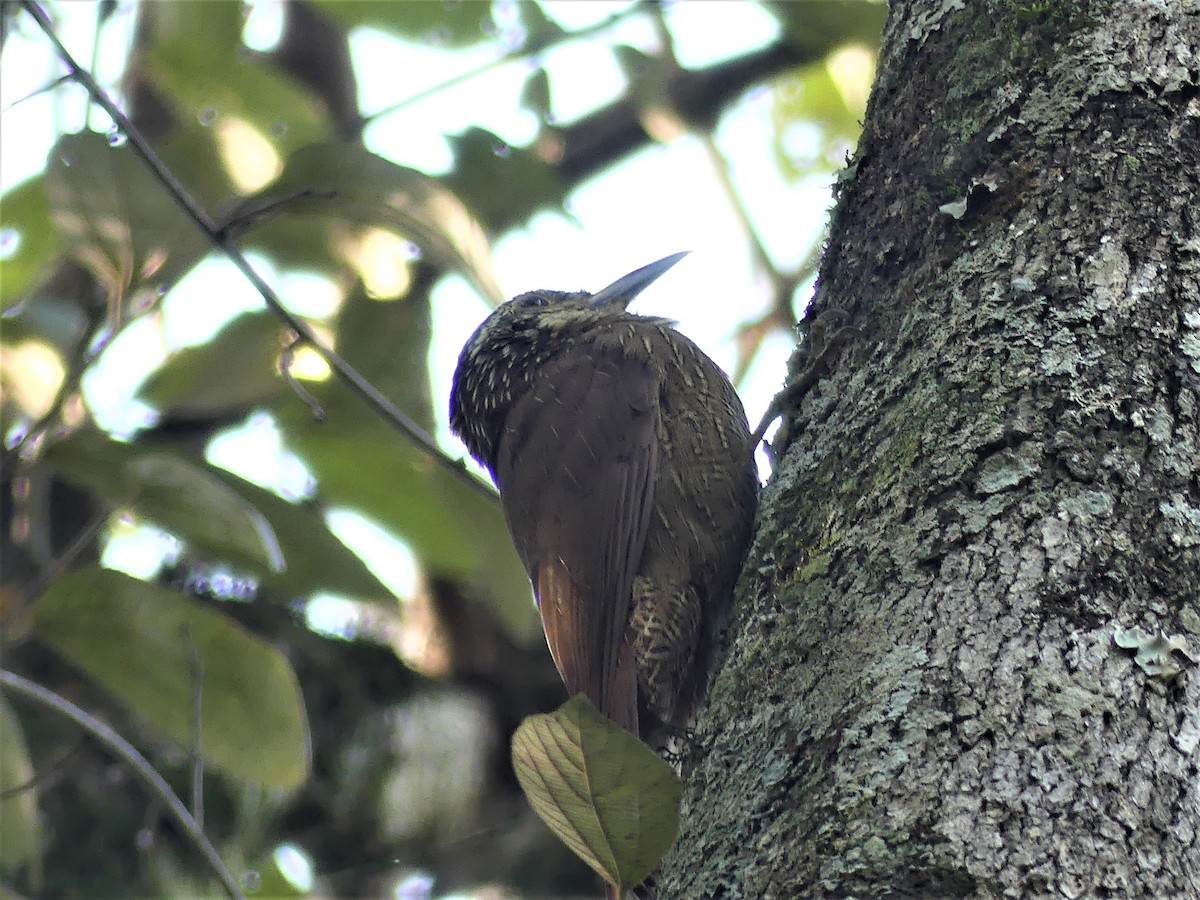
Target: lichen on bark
{"x":923,"y":694}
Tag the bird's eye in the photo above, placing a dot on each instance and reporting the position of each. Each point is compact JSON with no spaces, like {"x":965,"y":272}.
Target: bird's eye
{"x":536,"y":300}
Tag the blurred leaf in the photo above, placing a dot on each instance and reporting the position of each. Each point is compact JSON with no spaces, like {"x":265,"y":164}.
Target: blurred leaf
{"x":603,"y":792}
{"x":25,"y":221}
{"x":819,"y":26}
{"x":453,"y":530}
{"x":535,"y":95}
{"x":814,"y":124}
{"x":504,"y":184}
{"x":198,"y":62}
{"x":117,"y":221}
{"x":452,"y":23}
{"x":138,"y":639}
{"x":375,"y":337}
{"x":20,"y":831}
{"x":186,"y":499}
{"x":344,"y":182}
{"x":316,"y":559}
{"x":233,"y":372}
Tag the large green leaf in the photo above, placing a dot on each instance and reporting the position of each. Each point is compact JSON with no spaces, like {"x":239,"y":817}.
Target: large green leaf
{"x":25,"y":227}
{"x":20,"y":832}
{"x":603,"y":792}
{"x":182,"y":497}
{"x":339,"y":183}
{"x":453,"y":530}
{"x":118,"y":221}
{"x":141,"y":642}
{"x":504,"y":185}
{"x":230,"y":374}
{"x":316,"y":559}
{"x":198,"y":64}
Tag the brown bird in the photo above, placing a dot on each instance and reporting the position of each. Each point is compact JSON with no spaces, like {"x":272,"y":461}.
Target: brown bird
{"x":625,"y":470}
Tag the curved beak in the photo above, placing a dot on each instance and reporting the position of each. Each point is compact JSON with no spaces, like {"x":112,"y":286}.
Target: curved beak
{"x":624,"y":289}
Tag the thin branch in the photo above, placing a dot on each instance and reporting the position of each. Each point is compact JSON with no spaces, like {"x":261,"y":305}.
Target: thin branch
{"x":78,"y":544}
{"x":47,"y":776}
{"x":128,"y":754}
{"x":380,"y":404}
{"x":197,"y":667}
{"x":511,"y":56}
{"x":285,"y":371}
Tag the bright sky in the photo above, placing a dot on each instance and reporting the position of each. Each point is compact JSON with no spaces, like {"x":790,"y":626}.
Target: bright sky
{"x":657,"y":202}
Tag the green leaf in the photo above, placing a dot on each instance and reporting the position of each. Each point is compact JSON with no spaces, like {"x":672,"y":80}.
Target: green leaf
{"x":504,"y":185}
{"x":341,"y":182}
{"x":138,"y":640}
{"x":182,"y":497}
{"x":20,"y":832}
{"x":230,"y":374}
{"x":450,"y":24}
{"x":199,"y":64}
{"x":453,"y":530}
{"x":25,"y":219}
{"x":317,"y":559}
{"x":116,"y":220}
{"x":603,"y":792}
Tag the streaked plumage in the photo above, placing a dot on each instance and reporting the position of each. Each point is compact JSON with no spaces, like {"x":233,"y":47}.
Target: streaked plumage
{"x":622,"y":457}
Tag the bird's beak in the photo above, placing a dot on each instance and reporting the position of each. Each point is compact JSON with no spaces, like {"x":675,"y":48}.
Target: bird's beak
{"x":624,"y":289}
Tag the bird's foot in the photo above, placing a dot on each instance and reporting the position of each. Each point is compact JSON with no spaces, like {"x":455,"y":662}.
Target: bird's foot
{"x":826,"y":334}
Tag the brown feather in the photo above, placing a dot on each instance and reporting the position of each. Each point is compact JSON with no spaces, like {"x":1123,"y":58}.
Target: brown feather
{"x":577,"y":489}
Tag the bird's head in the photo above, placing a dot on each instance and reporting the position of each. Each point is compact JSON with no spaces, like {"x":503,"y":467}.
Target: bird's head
{"x":521,"y":335}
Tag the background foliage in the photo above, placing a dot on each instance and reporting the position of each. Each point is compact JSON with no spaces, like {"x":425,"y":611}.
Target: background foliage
{"x":350,"y":753}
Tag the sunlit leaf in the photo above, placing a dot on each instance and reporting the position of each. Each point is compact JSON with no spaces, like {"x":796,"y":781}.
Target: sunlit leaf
{"x":603,"y":792}
{"x":451,"y":24}
{"x":28,"y":241}
{"x":141,"y":641}
{"x":117,"y":221}
{"x":342,"y":182}
{"x":233,"y":372}
{"x":182,"y":497}
{"x":20,"y":832}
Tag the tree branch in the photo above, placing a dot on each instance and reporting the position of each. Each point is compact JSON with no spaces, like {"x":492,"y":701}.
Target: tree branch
{"x":141,"y":766}
{"x":221,"y":239}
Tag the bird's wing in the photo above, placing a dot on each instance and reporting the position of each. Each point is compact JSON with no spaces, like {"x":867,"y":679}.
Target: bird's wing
{"x":576,"y":466}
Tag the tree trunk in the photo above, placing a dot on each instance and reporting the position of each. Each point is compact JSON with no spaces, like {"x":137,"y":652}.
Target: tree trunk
{"x":935,"y":684}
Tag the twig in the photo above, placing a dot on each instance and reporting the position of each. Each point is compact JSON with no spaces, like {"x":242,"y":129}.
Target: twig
{"x":380,"y":404}
{"x":128,"y":754}
{"x":48,"y":775}
{"x":78,"y":544}
{"x":285,"y":371}
{"x":511,"y":56}
{"x":197,"y":725}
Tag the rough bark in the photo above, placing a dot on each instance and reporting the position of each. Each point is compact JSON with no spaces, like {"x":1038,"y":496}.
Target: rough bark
{"x":924,"y":692}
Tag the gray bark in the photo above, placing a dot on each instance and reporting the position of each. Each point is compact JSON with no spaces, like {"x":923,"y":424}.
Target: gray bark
{"x":927,"y":690}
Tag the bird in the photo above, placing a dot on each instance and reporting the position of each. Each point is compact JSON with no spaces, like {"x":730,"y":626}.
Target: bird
{"x":625,"y":469}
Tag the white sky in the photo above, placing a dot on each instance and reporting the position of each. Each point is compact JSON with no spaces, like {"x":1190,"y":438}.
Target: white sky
{"x":661,"y":200}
